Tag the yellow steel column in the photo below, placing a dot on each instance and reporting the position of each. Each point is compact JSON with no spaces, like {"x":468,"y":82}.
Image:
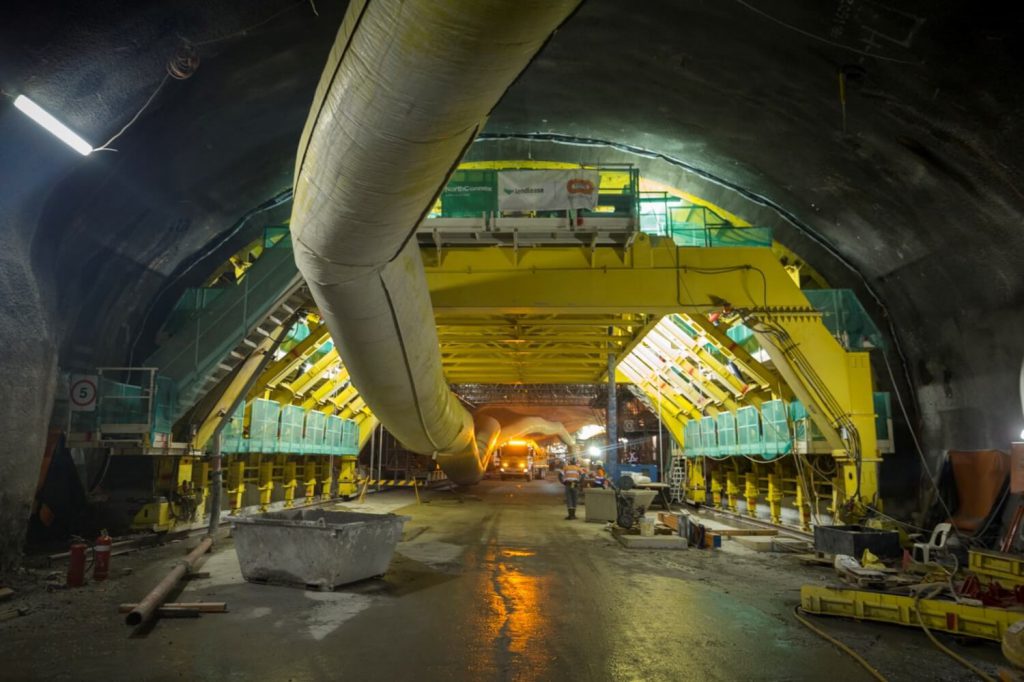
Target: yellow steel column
{"x":750,"y":491}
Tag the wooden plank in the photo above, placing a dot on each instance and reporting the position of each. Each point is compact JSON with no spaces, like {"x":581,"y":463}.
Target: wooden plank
{"x":6,"y":593}
{"x":744,"y":532}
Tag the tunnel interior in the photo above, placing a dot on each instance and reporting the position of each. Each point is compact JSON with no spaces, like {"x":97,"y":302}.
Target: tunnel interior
{"x":765,"y":255}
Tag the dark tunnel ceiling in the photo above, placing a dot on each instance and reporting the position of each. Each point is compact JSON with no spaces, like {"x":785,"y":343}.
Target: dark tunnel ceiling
{"x":921,"y":193}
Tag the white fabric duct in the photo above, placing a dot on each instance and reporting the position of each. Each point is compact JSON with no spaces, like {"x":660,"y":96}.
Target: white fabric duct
{"x":407,"y":86}
{"x":536,"y":426}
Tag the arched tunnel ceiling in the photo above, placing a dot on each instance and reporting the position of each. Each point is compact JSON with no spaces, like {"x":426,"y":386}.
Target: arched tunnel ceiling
{"x":920,"y":193}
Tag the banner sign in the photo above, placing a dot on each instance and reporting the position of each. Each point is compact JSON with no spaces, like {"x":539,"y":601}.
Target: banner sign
{"x":548,"y":190}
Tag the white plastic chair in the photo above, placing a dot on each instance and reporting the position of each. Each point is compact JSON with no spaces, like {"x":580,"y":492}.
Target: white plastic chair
{"x":923,"y":550}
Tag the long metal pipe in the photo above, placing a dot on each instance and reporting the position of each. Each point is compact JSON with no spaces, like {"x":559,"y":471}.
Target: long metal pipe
{"x":407,"y":87}
{"x":146,"y":608}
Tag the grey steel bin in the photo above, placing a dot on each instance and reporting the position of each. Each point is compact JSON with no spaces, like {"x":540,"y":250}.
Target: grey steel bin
{"x":313,"y":547}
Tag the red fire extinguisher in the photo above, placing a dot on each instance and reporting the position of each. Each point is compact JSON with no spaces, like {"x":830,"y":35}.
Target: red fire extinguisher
{"x":76,"y":563}
{"x":101,"y":556}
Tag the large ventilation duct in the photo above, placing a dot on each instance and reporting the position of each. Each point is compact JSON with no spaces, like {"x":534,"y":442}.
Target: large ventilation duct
{"x":407,"y":87}
{"x":535,"y":426}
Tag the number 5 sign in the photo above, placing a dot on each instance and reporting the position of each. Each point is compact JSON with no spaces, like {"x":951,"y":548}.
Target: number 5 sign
{"x":82,"y":394}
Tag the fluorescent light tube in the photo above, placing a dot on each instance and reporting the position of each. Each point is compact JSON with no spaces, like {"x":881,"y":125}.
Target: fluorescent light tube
{"x":40,"y":116}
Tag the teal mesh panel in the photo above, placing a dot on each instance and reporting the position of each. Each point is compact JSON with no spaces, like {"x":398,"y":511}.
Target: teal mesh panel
{"x":748,"y":430}
{"x":709,"y":436}
{"x":122,"y":403}
{"x":691,"y":439}
{"x":264,"y":422}
{"x":775,"y":423}
{"x":883,"y":413}
{"x":739,"y":236}
{"x":801,"y":421}
{"x":293,"y":419}
{"x":232,"y":438}
{"x":165,"y":404}
{"x":844,"y":316}
{"x":316,"y":424}
{"x":470,"y":194}
{"x":350,"y":438}
{"x":332,"y":434}
{"x":727,"y":444}
{"x":744,"y":337}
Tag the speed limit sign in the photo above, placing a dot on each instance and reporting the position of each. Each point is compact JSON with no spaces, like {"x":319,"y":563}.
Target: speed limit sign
{"x":82,"y":395}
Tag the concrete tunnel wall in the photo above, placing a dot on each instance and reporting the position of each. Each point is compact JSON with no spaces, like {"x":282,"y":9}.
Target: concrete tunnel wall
{"x":921,"y":192}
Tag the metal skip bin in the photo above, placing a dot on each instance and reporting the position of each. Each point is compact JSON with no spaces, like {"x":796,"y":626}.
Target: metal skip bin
{"x":312,"y":547}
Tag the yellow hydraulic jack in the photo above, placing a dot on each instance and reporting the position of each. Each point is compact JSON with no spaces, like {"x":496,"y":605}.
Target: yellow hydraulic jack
{"x":750,"y":492}
{"x":309,"y":468}
{"x":266,"y":481}
{"x":716,"y":487}
{"x":327,"y":477}
{"x":775,"y":493}
{"x":802,"y":504}
{"x":732,"y":490}
{"x":201,"y":484}
{"x":695,"y":480}
{"x":347,"y":485}
{"x":236,"y":483}
{"x":289,"y":469}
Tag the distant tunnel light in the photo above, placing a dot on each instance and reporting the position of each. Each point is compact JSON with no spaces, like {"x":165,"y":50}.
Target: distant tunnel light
{"x":43,"y":118}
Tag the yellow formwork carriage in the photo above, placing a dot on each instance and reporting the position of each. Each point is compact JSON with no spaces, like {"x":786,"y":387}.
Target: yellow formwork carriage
{"x":655,"y":277}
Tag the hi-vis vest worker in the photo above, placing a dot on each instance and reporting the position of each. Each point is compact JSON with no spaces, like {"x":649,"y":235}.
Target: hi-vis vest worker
{"x":571,"y":476}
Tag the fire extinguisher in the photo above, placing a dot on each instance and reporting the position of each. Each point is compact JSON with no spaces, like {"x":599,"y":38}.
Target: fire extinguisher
{"x":101,"y":556}
{"x":76,"y":563}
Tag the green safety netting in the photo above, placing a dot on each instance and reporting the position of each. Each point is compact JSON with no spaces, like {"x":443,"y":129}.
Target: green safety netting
{"x":708,"y":437}
{"x":350,"y":438}
{"x":845,"y":318}
{"x":727,"y":442}
{"x":775,"y":425}
{"x":264,"y":421}
{"x":232,"y":437}
{"x":883,"y":416}
{"x":313,"y":440}
{"x":748,"y":430}
{"x":743,"y":336}
{"x":332,"y":435}
{"x":293,"y":419}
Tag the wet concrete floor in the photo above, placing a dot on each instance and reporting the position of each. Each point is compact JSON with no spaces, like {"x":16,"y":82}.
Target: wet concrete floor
{"x":491,"y":584}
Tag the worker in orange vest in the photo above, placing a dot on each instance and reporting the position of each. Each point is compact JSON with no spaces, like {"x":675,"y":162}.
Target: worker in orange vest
{"x":572,"y":478}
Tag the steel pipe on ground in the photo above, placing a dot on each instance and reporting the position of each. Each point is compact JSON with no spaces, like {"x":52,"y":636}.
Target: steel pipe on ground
{"x":147,"y":608}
